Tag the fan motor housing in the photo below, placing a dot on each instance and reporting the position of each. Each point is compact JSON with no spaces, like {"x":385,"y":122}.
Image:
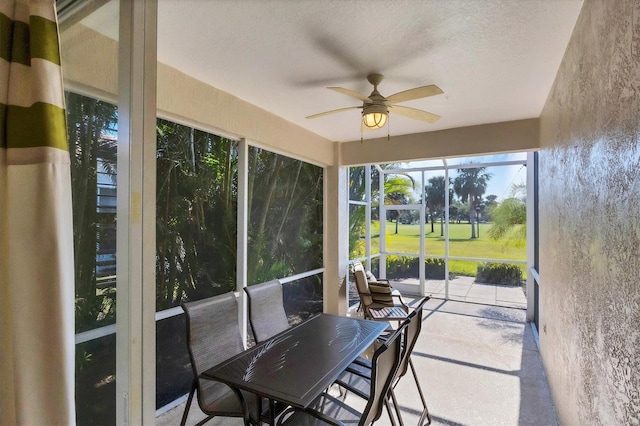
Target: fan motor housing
{"x":373,"y":108}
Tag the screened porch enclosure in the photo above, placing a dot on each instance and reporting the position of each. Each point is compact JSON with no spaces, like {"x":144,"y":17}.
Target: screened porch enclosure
{"x":196,"y":241}
{"x":196,"y":238}
{"x":469,"y":246}
{"x":214,"y":195}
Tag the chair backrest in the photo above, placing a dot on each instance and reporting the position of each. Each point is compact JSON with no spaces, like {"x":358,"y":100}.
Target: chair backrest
{"x":414,"y":326}
{"x":362,"y":284}
{"x":384,"y":364}
{"x":266,"y":310}
{"x":213,"y":336}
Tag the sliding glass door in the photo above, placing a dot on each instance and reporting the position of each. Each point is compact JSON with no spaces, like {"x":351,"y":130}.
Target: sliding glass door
{"x":92,"y":124}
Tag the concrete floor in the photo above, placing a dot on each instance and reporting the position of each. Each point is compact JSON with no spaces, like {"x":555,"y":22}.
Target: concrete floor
{"x":477,"y":365}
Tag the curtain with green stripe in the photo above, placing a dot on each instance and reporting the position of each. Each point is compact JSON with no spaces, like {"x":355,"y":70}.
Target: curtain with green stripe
{"x":36,"y":236}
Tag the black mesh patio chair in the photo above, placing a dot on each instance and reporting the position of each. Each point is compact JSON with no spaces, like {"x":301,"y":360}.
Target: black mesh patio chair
{"x":357,"y":376}
{"x":266,"y":310}
{"x":378,"y":300}
{"x":327,"y":409}
{"x":213,"y":336}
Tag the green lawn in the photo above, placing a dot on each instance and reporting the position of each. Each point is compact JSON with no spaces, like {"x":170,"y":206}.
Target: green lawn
{"x":407,"y":240}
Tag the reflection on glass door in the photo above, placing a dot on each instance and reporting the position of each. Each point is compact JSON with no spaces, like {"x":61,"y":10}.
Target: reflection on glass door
{"x":92,"y":116}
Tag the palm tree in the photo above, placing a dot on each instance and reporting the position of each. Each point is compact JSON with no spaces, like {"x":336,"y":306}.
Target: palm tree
{"x":435,"y":191}
{"x":398,"y":190}
{"x":357,"y":214}
{"x":510,"y":218}
{"x":470,"y":185}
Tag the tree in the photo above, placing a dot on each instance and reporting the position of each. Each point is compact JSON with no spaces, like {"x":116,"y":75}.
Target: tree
{"x":435,"y":191}
{"x":491,"y":200}
{"x":196,"y":202}
{"x":490,"y":203}
{"x":454,"y":211}
{"x":510,"y":218}
{"x":357,"y":214}
{"x":398,"y":190}
{"x":470,"y":184}
{"x":196,"y":215}
{"x":91,"y":129}
{"x":285,"y":219}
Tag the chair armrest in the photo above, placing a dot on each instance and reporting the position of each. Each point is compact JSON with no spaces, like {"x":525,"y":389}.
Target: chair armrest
{"x":399,"y":297}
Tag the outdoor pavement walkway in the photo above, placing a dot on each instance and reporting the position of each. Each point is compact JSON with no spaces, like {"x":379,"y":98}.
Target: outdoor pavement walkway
{"x":477,"y":365}
{"x":465,"y":289}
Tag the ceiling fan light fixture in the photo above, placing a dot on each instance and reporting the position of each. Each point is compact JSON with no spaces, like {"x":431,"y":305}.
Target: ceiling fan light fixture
{"x":374,"y":116}
{"x":375,"y":107}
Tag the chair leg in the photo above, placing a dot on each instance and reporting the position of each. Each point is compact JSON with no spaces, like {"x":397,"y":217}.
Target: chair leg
{"x":396,"y":406}
{"x":272,"y":412}
{"x":201,"y":422}
{"x":186,"y":408}
{"x":386,"y":404}
{"x":246,"y":415}
{"x":425,"y":412}
{"x":342,"y":393}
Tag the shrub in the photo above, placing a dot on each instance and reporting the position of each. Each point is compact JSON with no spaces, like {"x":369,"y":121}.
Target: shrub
{"x":434,"y":268}
{"x":407,"y":267}
{"x":402,"y":267}
{"x":499,"y":273}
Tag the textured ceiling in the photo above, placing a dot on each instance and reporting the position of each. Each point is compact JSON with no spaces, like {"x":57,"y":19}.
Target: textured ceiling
{"x":495,"y":60}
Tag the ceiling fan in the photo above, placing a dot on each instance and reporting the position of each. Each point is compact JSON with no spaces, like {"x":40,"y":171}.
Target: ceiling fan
{"x":375,"y":107}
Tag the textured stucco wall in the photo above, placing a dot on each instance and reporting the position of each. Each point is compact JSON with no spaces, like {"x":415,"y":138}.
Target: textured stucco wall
{"x":590,"y":220}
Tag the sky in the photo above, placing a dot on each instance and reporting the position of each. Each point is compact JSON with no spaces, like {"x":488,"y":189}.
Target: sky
{"x":502,"y":177}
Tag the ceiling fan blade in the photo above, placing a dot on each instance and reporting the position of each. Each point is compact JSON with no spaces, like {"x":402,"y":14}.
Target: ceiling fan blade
{"x":415,"y":93}
{"x":350,"y":93}
{"x":332,"y":112}
{"x":416,"y":114}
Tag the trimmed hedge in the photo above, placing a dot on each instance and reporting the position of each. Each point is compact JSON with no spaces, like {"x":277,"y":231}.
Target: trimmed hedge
{"x":499,"y":273}
{"x":434,"y":268}
{"x":399,"y":267}
{"x":407,"y":267}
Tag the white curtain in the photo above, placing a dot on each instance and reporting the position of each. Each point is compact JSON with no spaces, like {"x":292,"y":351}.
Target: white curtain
{"x":36,"y":236}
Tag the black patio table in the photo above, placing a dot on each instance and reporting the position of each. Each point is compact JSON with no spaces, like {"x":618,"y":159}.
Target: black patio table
{"x":295,"y":366}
